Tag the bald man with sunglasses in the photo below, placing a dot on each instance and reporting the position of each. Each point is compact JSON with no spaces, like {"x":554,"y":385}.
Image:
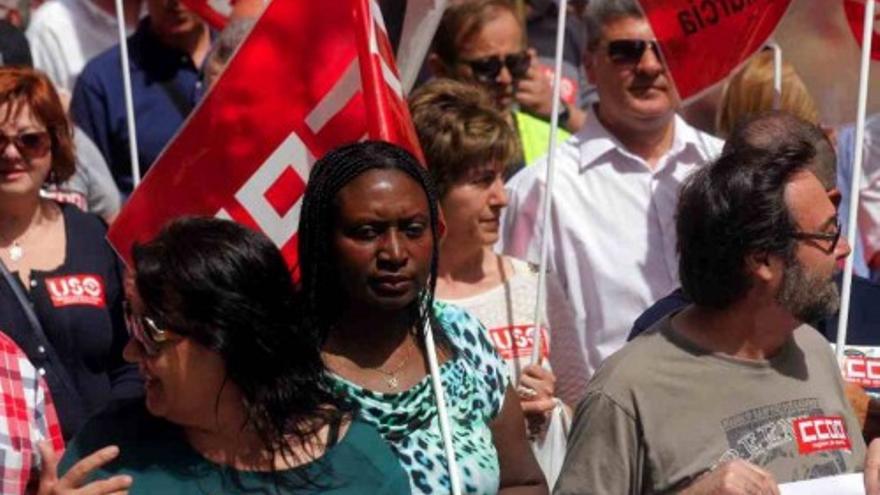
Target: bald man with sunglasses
{"x":613,"y":237}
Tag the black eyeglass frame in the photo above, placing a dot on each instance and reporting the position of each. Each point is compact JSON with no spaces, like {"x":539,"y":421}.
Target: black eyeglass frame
{"x":486,"y":69}
{"x":821,"y":236}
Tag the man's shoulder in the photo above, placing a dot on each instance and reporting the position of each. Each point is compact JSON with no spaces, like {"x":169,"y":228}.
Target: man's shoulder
{"x":636,"y":364}
{"x":101,"y":69}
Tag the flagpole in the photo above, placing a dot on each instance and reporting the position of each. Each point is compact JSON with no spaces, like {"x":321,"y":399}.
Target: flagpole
{"x":129,"y":103}
{"x":442,"y":414}
{"x":843,"y":318}
{"x":549,"y":179}
{"x":777,"y":74}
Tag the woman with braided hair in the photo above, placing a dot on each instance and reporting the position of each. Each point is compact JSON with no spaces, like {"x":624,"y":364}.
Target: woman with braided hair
{"x":368,"y":240}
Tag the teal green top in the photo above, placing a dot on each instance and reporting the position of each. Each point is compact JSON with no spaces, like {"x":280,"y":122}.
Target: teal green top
{"x":160,"y":461}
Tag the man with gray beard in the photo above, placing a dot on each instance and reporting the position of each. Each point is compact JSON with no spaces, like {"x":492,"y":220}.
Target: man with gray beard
{"x":734,"y":393}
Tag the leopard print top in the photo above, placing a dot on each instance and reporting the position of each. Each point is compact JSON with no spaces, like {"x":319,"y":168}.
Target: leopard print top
{"x":475,"y":382}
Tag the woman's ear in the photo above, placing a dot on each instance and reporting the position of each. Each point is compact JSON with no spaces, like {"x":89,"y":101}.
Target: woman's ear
{"x":441,"y":225}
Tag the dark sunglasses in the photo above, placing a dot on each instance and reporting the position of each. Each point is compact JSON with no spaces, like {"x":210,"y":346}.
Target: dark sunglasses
{"x":30,"y":144}
{"x":486,"y":69}
{"x":834,"y":237}
{"x":145,"y":331}
{"x":630,"y":51}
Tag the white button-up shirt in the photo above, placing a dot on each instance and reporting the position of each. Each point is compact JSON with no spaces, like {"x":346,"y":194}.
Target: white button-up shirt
{"x":612,"y":228}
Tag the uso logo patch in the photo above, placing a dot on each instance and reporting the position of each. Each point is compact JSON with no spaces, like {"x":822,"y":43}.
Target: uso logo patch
{"x":820,"y":434}
{"x":517,"y":341}
{"x":76,"y":290}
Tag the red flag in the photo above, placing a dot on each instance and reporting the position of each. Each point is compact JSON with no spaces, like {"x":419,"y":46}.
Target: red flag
{"x":703,"y":42}
{"x":311,"y":76}
{"x":215,"y":12}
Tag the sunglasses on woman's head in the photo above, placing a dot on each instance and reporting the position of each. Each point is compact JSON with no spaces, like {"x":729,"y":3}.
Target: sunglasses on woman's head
{"x":630,"y":51}
{"x":145,"y":331}
{"x":486,"y":69}
{"x":29,"y":144}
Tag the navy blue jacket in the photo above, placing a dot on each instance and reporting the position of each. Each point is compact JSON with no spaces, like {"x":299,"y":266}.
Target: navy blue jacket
{"x":165,"y":87}
{"x":79,"y":305}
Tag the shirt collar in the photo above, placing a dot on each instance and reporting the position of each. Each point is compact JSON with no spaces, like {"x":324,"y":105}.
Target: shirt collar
{"x":155,"y":57}
{"x":596,"y":141}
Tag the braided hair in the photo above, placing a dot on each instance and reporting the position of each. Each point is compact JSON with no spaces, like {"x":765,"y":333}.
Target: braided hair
{"x":319,"y":283}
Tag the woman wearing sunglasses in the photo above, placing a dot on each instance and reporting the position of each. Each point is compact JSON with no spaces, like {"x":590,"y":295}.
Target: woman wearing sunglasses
{"x":482,"y":42}
{"x":60,"y":292}
{"x":368,"y":253}
{"x":237,"y":399}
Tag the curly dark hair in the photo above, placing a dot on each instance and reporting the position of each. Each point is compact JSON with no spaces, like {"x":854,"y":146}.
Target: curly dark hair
{"x":731,"y":209}
{"x":228,"y":288}
{"x":319,"y":283}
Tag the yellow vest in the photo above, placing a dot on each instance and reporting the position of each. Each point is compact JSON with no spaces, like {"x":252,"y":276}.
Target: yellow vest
{"x":534,"y":135}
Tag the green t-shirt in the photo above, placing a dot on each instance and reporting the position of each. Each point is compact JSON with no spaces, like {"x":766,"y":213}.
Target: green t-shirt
{"x":159,"y":459}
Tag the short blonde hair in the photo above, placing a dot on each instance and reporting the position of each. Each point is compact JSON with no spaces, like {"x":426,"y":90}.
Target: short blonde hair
{"x":460,"y":128}
{"x":750,"y":92}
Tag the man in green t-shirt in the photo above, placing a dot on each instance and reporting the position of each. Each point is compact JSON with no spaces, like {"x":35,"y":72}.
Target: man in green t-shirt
{"x":733,"y":394}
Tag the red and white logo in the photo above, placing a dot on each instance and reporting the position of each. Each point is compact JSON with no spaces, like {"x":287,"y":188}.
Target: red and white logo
{"x":517,"y":341}
{"x":76,"y":290}
{"x":821,"y":434}
{"x":862,"y":370}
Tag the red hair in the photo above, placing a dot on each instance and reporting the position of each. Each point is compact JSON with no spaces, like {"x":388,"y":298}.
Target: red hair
{"x":22,"y":87}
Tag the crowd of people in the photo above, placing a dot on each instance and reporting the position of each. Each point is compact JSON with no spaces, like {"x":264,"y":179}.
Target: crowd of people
{"x":690,"y":295}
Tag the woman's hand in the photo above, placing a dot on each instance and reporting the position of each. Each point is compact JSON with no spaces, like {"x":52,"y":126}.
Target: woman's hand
{"x":536,"y":393}
{"x":73,"y":482}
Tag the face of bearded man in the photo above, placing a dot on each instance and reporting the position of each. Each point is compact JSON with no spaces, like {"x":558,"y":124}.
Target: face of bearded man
{"x":809,"y":297}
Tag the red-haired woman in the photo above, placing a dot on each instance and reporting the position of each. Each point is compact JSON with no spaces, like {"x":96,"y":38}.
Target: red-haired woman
{"x":60,"y":290}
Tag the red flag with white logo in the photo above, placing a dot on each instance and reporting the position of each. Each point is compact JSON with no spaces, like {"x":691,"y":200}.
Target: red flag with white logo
{"x":215,"y":12}
{"x":310,"y":76}
{"x":703,"y":42}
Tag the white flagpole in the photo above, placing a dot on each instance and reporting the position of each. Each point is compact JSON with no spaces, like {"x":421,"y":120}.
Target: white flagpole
{"x":419,"y":26}
{"x":442,"y":415}
{"x":129,"y":104}
{"x":549,"y":179}
{"x":843,"y":318}
{"x":777,"y":74}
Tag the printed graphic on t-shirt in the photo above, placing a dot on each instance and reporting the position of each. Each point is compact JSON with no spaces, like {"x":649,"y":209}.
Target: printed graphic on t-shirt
{"x":76,"y":290}
{"x":781,"y":433}
{"x":517,"y":341}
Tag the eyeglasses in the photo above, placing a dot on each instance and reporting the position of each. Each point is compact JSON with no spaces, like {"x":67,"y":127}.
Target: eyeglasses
{"x":624,"y":52}
{"x":834,"y":237}
{"x":486,"y":69}
{"x":30,"y":144}
{"x":145,"y":331}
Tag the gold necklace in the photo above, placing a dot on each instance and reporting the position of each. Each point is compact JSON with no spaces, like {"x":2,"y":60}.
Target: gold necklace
{"x":391,"y":376}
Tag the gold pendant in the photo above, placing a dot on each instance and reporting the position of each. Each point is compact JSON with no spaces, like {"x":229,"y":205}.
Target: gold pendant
{"x":392,"y":382}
